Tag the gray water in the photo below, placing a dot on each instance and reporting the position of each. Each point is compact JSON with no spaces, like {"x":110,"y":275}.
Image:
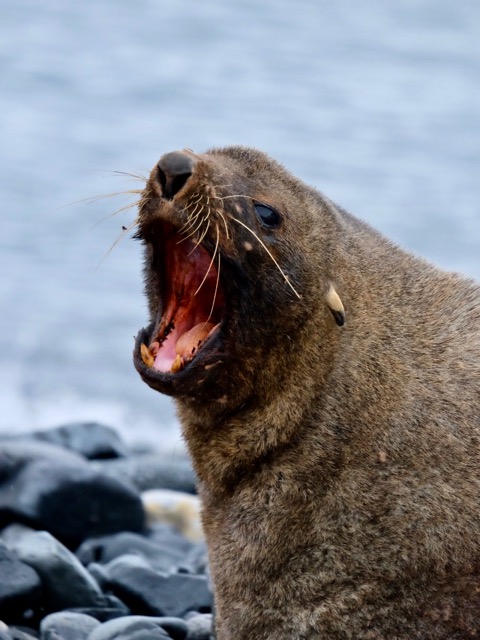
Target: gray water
{"x":375,"y":103}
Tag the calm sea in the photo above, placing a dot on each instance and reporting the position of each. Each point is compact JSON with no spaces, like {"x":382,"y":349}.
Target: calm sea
{"x":375,"y":103}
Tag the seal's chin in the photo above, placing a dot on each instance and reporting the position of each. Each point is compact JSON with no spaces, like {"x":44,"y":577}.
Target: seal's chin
{"x":192,"y":306}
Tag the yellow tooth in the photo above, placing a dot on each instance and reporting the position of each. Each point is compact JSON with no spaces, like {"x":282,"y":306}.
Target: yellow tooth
{"x":147,"y":357}
{"x":177,"y":364}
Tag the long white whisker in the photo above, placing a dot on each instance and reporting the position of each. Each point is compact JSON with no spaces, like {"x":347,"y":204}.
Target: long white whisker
{"x":235,"y":195}
{"x":127,"y":207}
{"x":199,"y":225}
{"x":209,"y":266}
{"x":201,"y":238}
{"x":270,"y":254}
{"x":192,"y":218}
{"x":130,"y":174}
{"x":225,"y":223}
{"x":216,"y":289}
{"x":125,"y":230}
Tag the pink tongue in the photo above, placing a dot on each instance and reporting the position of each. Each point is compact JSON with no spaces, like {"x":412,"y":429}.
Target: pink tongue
{"x":189,"y":341}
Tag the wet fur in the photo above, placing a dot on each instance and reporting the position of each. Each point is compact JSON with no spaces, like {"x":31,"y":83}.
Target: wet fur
{"x":338,"y":467}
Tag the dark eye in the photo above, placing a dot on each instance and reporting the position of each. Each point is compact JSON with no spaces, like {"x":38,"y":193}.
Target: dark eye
{"x":268,"y":216}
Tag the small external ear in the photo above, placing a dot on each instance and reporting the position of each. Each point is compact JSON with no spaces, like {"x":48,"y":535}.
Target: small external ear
{"x":335,"y":305}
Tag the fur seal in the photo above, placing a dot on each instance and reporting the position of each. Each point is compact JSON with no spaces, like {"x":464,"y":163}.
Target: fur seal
{"x":327,"y":384}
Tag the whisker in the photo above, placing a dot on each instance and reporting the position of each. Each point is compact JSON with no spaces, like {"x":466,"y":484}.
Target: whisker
{"x":115,"y":194}
{"x":127,"y":207}
{"x":130,"y":174}
{"x":92,"y":199}
{"x":199,"y":226}
{"x":222,"y":186}
{"x":199,"y":198}
{"x":201,"y":238}
{"x":216,"y":287}
{"x":193,"y":217}
{"x":125,"y":230}
{"x":225,"y":223}
{"x":285,"y":277}
{"x":235,"y":195}
{"x":209,"y":267}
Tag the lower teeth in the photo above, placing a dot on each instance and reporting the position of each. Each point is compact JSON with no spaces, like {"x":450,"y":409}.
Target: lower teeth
{"x":147,"y":357}
{"x":177,"y":364}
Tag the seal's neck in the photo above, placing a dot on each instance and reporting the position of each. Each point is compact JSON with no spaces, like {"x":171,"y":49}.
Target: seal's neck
{"x":225,"y":447}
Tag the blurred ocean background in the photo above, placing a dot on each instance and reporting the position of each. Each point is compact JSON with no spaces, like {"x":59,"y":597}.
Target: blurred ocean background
{"x":377,"y":104}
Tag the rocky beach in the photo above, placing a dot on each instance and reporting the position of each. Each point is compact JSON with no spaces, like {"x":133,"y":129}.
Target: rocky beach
{"x":99,"y":541}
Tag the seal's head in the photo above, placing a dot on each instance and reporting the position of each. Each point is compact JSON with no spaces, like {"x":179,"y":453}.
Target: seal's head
{"x":235,"y":255}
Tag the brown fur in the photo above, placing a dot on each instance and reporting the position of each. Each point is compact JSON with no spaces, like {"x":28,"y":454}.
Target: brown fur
{"x":338,"y":466}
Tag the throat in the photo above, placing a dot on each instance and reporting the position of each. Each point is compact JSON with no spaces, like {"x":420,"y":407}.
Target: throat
{"x":193,"y":304}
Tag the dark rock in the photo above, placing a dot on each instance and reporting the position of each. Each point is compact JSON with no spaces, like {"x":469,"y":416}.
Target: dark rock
{"x":195,"y":561}
{"x":20,"y":586}
{"x":40,"y":483}
{"x":175,"y":627}
{"x":200,"y":626}
{"x":18,"y":633}
{"x":66,"y":625}
{"x":152,"y":471}
{"x":167,"y":535}
{"x":102,"y":614}
{"x":114,"y":608}
{"x":16,"y":454}
{"x":66,"y":583}
{"x":152,"y":593}
{"x":161,"y":557}
{"x":90,"y":439}
{"x":99,"y":574}
{"x":181,"y":593}
{"x":141,"y":628}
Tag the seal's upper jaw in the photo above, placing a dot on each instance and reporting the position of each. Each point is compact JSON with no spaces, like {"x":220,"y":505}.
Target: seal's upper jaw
{"x":192,"y":308}
{"x":187,"y":301}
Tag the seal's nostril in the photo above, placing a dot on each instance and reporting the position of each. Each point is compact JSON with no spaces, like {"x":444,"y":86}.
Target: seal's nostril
{"x":162,"y":178}
{"x":178,"y":182}
{"x":173,"y":170}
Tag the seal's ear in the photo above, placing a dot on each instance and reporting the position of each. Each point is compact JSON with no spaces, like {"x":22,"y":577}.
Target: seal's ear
{"x":335,"y":305}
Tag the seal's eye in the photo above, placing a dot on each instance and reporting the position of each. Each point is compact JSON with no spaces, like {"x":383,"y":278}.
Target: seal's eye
{"x":268,"y":216}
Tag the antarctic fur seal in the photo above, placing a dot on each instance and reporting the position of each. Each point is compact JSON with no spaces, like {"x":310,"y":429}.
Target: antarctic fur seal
{"x":327,"y":384}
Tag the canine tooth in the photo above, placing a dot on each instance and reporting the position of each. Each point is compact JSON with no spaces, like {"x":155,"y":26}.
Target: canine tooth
{"x":147,"y":357}
{"x":177,"y":364}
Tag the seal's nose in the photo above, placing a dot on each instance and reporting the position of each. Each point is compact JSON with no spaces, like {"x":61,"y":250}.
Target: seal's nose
{"x":174,"y":169}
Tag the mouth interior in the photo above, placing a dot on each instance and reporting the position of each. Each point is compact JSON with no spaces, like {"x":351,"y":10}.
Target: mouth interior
{"x":193,"y":303}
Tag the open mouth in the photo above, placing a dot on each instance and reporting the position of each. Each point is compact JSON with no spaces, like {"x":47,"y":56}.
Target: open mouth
{"x":192,"y":304}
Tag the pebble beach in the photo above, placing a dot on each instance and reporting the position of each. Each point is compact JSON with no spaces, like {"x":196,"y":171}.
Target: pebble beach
{"x":98,"y":541}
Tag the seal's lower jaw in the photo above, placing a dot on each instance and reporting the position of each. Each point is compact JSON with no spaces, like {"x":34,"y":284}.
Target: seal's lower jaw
{"x":185,"y":338}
